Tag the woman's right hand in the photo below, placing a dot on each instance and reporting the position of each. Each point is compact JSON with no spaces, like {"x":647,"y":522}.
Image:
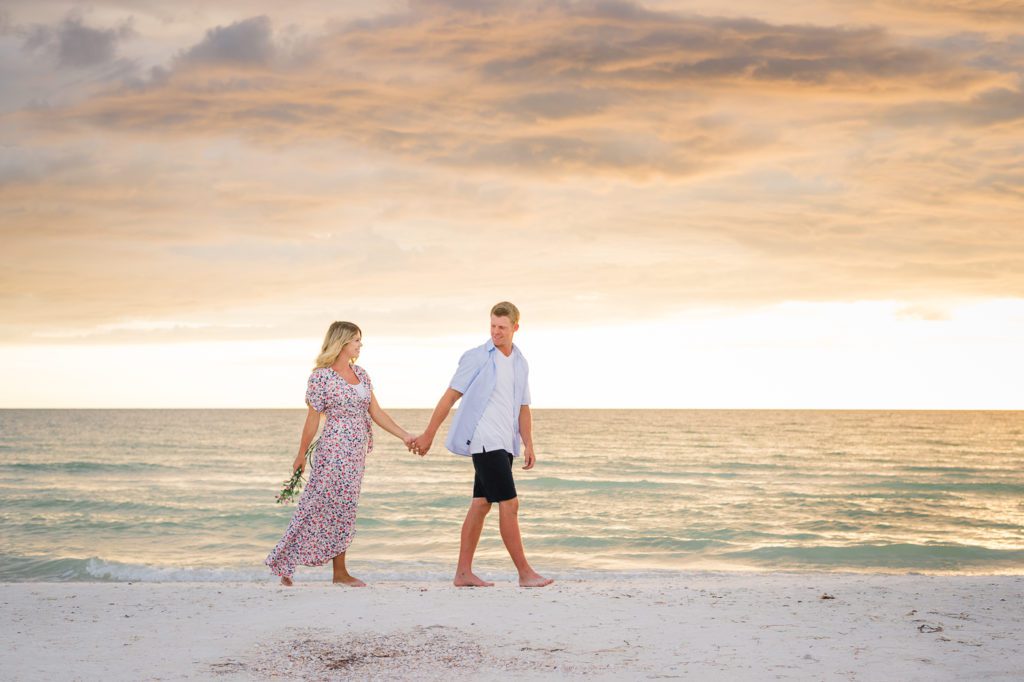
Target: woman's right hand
{"x":300,"y":462}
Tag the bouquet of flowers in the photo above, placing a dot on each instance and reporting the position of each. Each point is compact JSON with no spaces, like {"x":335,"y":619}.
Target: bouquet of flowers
{"x":293,"y":486}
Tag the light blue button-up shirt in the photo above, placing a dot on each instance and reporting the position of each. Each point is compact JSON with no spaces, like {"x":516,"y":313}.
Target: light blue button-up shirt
{"x":475,"y":380}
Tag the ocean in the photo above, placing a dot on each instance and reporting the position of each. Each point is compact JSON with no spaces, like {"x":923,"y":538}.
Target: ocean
{"x":188,"y":495}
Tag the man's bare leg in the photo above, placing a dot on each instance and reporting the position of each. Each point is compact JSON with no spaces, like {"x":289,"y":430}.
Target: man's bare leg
{"x":471,"y":529}
{"x":341,"y":575}
{"x":508,"y":521}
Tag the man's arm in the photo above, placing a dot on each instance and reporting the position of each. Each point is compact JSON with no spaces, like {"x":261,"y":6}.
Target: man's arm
{"x":526,"y":433}
{"x":444,"y":406}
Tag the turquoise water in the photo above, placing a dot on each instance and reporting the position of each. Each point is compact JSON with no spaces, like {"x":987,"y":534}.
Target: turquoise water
{"x":189,"y":494}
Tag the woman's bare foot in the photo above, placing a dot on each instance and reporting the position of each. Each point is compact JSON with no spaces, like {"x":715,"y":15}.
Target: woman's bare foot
{"x":349,"y":581}
{"x":286,"y":581}
{"x":470,"y":579}
{"x":534,"y":579}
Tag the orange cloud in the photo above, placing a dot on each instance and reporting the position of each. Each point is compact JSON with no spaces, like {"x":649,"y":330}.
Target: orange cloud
{"x":575,"y":89}
{"x":594,"y":161}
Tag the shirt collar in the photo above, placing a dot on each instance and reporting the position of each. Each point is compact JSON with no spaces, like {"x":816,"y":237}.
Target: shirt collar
{"x":489,"y":346}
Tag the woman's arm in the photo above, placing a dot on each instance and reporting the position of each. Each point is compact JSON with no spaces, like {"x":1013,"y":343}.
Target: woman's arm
{"x":384,"y":421}
{"x":309,"y":430}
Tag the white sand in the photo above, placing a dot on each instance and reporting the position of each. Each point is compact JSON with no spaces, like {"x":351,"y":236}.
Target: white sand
{"x":701,"y":626}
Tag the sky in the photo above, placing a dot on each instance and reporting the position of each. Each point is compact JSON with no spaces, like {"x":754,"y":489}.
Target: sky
{"x":764,"y":205}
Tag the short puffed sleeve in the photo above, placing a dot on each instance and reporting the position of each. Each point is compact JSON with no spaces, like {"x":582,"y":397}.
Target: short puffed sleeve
{"x":316,"y":390}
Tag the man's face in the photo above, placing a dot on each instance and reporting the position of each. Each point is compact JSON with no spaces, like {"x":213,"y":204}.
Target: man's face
{"x":502,"y":330}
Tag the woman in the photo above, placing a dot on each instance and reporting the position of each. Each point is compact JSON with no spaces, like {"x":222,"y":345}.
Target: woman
{"x":324,"y":521}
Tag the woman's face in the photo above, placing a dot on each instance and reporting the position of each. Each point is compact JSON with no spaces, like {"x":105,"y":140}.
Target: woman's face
{"x":353,"y":347}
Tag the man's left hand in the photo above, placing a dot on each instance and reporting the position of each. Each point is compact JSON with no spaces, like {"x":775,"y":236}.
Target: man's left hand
{"x":530,"y":458}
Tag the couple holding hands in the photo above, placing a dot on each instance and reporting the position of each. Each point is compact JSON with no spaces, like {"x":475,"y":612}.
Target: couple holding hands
{"x":492,"y":381}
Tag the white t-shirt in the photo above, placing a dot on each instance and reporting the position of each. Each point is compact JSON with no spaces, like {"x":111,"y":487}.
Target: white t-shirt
{"x":362,"y":390}
{"x":495,"y":429}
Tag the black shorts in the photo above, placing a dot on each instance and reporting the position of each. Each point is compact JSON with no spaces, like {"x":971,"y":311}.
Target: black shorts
{"x":493,"y":476}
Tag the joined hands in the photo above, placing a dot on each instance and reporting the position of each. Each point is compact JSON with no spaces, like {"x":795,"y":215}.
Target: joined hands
{"x":418,"y":445}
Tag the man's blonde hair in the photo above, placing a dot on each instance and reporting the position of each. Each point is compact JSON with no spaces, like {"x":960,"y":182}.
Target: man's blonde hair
{"x":338,"y":334}
{"x":506,"y":309}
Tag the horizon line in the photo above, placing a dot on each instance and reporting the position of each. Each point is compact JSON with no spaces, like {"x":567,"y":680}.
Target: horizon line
{"x":578,"y":409}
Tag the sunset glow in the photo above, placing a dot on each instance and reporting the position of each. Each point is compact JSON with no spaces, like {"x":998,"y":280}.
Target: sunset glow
{"x":805,"y":205}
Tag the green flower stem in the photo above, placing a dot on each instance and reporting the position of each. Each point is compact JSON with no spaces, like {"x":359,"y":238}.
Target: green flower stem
{"x":293,"y":486}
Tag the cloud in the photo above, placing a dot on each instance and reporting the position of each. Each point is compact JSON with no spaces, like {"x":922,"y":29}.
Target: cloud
{"x":276,"y":239}
{"x":593,"y":161}
{"x":74,"y":44}
{"x":923,"y":312}
{"x":560,"y":104}
{"x":661,"y":50}
{"x":987,"y":11}
{"x":22,"y":166}
{"x":991,"y":107}
{"x":243,"y":43}
{"x":461,"y":6}
{"x":901,"y":16}
{"x":632,"y":91}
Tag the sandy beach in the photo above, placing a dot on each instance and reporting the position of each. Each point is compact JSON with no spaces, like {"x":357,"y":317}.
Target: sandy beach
{"x":748,"y":626}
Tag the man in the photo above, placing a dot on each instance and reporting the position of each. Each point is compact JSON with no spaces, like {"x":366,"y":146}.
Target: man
{"x":493,"y":382}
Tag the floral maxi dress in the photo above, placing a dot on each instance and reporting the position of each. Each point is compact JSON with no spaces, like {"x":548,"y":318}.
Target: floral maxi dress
{"x":323,"y":524}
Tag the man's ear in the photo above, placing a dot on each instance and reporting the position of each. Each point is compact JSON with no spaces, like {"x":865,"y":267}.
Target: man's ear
{"x":515,"y":327}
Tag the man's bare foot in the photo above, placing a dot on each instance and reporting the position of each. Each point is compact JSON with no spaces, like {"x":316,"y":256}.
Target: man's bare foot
{"x":468,"y":579}
{"x":534,"y":579}
{"x":286,"y":581}
{"x":349,"y":581}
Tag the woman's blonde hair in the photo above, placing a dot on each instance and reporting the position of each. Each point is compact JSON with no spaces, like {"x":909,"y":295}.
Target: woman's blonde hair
{"x":338,"y":334}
